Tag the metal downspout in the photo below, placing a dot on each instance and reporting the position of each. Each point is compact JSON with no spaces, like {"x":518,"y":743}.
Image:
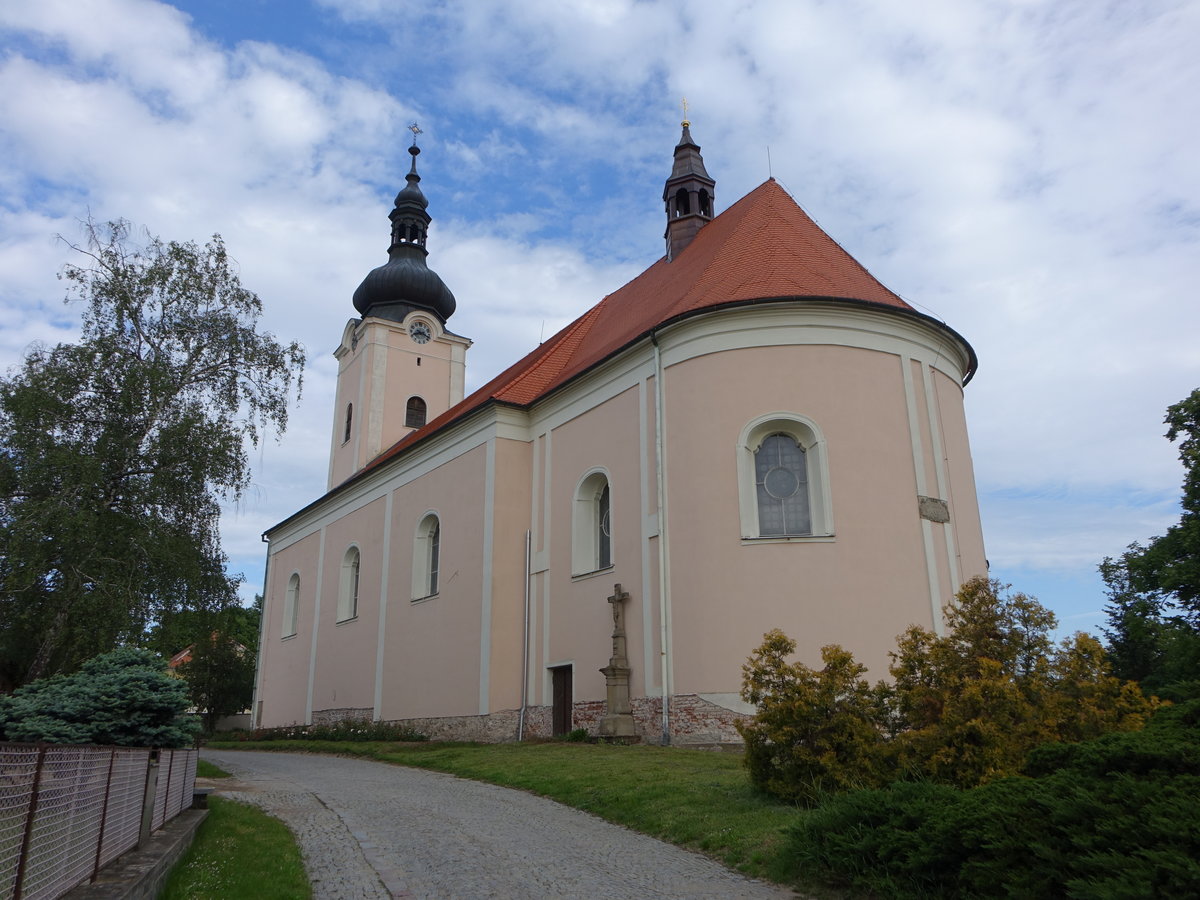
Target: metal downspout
{"x":663,"y":578}
{"x":525,"y":640}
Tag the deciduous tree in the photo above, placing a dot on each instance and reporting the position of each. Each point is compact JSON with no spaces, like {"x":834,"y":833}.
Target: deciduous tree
{"x":224,"y":644}
{"x":116,"y":450}
{"x":1153,"y":611}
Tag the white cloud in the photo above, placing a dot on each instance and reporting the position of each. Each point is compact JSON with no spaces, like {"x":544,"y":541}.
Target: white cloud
{"x":1024,"y":170}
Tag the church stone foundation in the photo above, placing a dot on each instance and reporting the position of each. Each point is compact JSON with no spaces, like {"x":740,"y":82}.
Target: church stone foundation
{"x":342,"y":714}
{"x":694,"y":722}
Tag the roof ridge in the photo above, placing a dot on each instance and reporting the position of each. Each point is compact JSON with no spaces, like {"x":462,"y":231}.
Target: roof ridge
{"x":854,"y":259}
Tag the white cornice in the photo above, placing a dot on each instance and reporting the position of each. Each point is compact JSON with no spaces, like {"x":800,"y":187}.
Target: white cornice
{"x":450,"y":443}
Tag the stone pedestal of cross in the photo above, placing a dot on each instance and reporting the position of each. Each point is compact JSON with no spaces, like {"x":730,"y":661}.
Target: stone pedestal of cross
{"x":618,"y":721}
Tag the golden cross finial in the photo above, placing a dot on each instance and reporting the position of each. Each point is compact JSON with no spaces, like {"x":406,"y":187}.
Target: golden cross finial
{"x":685,"y":121}
{"x":415,"y":129}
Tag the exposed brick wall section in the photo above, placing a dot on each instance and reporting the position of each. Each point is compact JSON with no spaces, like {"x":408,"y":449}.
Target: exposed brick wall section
{"x":647,"y":718}
{"x":587,"y":714}
{"x":697,"y":721}
{"x":693,"y":721}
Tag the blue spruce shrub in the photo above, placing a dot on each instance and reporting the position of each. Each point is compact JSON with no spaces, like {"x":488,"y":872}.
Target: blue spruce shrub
{"x":125,"y":697}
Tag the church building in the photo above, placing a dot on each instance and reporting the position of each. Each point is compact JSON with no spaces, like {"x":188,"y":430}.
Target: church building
{"x":754,"y":433}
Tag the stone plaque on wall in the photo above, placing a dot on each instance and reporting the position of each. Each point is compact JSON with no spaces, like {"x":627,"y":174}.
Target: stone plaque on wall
{"x":933,"y":509}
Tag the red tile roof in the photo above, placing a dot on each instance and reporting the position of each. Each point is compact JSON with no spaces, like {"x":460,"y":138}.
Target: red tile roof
{"x":763,"y":247}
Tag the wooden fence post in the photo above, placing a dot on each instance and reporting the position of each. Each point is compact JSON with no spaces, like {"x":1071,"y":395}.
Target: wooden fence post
{"x":148,"y":798}
{"x":112,"y":759}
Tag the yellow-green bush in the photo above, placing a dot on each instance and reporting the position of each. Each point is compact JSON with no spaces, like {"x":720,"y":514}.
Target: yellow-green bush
{"x":817,"y":730}
{"x":964,"y":707}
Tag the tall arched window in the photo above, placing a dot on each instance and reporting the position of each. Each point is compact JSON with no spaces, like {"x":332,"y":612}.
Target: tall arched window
{"x":783,"y":478}
{"x":591,"y":525}
{"x":705,"y":203}
{"x":604,"y":529}
{"x":349,"y":421}
{"x":291,"y":606}
{"x":781,"y":482}
{"x":414,"y":413}
{"x":348,"y":592}
{"x":427,"y":557}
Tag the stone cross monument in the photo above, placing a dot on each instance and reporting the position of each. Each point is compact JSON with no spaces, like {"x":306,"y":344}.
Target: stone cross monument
{"x":618,"y":721}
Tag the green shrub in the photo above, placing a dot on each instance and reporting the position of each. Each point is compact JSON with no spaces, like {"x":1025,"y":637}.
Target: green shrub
{"x":1168,"y":746}
{"x":966,"y":706}
{"x":817,"y":731}
{"x":1112,"y":817}
{"x":887,"y":840}
{"x":125,"y":697}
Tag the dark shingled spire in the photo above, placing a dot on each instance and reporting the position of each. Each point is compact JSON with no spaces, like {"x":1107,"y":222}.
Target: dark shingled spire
{"x":688,"y":194}
{"x":405,"y":283}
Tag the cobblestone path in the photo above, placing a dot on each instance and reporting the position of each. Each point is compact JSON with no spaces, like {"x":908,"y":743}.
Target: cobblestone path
{"x":370,"y":830}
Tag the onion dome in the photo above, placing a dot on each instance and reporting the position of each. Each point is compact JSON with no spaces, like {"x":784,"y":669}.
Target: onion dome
{"x":405,"y":283}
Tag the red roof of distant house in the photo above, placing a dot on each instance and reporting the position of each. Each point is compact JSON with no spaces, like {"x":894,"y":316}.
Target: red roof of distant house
{"x":763,"y":247}
{"x":182,"y":657}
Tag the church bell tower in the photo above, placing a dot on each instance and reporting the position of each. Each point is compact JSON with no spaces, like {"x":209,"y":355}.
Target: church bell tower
{"x":399,"y":366}
{"x":688,"y":195}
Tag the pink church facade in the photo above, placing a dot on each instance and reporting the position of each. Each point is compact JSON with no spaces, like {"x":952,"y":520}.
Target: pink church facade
{"x":752,"y":434}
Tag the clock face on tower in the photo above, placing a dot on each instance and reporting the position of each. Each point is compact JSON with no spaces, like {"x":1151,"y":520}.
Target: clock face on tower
{"x":419,"y":332}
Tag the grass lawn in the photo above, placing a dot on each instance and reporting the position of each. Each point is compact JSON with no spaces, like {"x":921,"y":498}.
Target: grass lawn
{"x":205,"y":769}
{"x":240,"y":853}
{"x":694,"y":798}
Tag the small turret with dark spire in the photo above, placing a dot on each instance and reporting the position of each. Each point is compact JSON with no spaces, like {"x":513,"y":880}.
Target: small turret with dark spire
{"x":405,"y":283}
{"x":688,"y":194}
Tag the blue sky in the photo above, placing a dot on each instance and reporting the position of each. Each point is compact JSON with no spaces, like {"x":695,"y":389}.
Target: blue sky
{"x":1024,"y":170}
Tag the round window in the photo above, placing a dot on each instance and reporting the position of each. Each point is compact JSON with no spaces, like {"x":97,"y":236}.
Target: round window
{"x":781,"y":483}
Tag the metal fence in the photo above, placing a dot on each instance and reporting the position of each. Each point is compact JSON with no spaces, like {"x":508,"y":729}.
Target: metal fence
{"x":66,"y":811}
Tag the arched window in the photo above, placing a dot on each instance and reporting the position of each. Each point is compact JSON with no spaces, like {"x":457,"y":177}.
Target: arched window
{"x":291,"y":606}
{"x":682,"y":203}
{"x":348,"y":590}
{"x":604,"y":529}
{"x":705,"y":203}
{"x":427,"y":557}
{"x":781,"y":482}
{"x":783,"y":478}
{"x":349,"y":421}
{"x":414,"y":413}
{"x":591,"y":526}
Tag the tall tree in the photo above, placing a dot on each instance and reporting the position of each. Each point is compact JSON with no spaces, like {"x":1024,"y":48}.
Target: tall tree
{"x":220,"y":677}
{"x":117,"y":450}
{"x":1154,"y":589}
{"x":223,"y":644}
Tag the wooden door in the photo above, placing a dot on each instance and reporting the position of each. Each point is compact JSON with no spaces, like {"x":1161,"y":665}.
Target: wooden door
{"x":563,"y":698}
